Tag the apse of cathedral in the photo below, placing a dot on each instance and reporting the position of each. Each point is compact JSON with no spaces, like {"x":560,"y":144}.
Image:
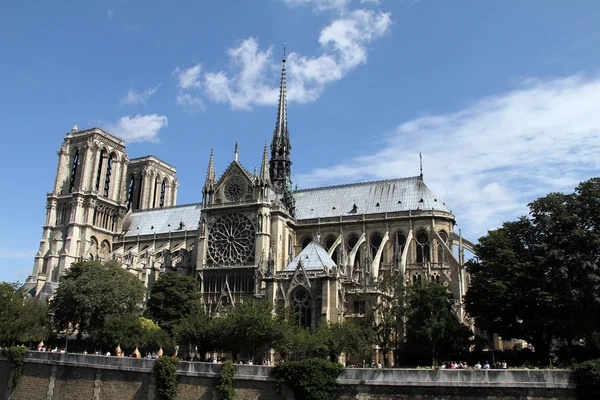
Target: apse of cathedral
{"x":253,"y":236}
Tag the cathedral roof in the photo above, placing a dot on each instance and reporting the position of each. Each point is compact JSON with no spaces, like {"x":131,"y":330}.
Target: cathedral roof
{"x":391,"y":195}
{"x":313,"y":257}
{"x":163,"y":220}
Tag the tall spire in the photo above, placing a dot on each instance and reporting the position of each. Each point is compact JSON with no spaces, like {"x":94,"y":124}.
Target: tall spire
{"x":280,"y":164}
{"x":235,"y":152}
{"x":264,"y":167}
{"x":420,"y":166}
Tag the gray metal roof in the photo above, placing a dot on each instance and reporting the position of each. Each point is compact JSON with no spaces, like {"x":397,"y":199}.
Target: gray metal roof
{"x":313,"y":256}
{"x":392,"y":195}
{"x":162,"y":220}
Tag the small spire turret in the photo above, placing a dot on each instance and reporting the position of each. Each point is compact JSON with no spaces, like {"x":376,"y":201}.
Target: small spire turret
{"x":211,"y":176}
{"x":264,"y":167}
{"x":420,"y":166}
{"x":235,"y":152}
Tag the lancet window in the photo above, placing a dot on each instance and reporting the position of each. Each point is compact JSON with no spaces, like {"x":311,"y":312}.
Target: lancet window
{"x":302,"y":307}
{"x":422,"y":248}
{"x":163,"y":188}
{"x":74,"y":171}
{"x":109,"y":165}
{"x":130,"y":192}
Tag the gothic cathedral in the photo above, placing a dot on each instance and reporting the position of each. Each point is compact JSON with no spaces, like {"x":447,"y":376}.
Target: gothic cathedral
{"x":253,"y":235}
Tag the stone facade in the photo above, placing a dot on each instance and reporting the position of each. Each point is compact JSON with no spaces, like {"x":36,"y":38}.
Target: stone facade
{"x":253,"y":235}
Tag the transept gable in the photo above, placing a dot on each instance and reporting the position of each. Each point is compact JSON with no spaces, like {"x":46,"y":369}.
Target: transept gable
{"x":235,"y":184}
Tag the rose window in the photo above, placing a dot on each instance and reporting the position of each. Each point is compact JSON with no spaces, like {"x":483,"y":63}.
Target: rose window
{"x":231,"y":240}
{"x":234,"y":189}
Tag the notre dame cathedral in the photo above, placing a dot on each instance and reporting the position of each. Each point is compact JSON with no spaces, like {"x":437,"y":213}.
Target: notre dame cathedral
{"x":253,"y":235}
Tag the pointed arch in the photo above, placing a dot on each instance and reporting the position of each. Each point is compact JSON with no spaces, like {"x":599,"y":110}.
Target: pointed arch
{"x":107,"y":176}
{"x":423,"y":253}
{"x":163,"y":189}
{"x":74,"y":169}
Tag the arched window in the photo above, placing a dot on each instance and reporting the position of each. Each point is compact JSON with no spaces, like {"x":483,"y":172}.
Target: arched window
{"x":441,"y":251}
{"x":329,"y":242}
{"x":163,"y":187}
{"x":99,"y":172}
{"x":138,"y":193}
{"x":301,"y":306}
{"x":435,"y":277}
{"x":74,"y":171}
{"x":155,"y":191}
{"x":423,"y":254}
{"x":375,"y":242}
{"x":417,"y":279}
{"x":352,"y":241}
{"x":130,"y":192}
{"x":399,"y":244}
{"x":108,"y":173}
{"x":290,"y":248}
{"x":306,"y":241}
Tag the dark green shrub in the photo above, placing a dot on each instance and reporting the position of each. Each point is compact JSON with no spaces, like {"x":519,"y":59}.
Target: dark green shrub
{"x":225,"y":387}
{"x":165,"y":369}
{"x":587,"y":375}
{"x":16,"y":356}
{"x":310,"y":379}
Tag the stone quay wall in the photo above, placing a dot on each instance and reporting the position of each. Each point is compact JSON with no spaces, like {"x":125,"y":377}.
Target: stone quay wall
{"x":54,"y":376}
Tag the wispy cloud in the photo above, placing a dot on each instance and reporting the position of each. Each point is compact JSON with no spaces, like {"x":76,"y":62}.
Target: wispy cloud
{"x":17,"y":254}
{"x":110,"y":12}
{"x":188,"y":100}
{"x":139,"y":128}
{"x":188,"y":78}
{"x":344,"y":45}
{"x":320,"y":5}
{"x":489,"y":159}
{"x":134,"y":98}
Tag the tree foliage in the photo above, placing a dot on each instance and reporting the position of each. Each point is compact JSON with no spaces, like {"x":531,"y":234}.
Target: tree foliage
{"x":433,"y":331}
{"x":342,"y":337}
{"x":90,"y":291}
{"x":22,"y":318}
{"x":538,"y":278}
{"x":197,"y":330}
{"x":172,"y":298}
{"x":310,"y":379}
{"x":165,"y":370}
{"x":129,"y":331}
{"x":225,"y":387}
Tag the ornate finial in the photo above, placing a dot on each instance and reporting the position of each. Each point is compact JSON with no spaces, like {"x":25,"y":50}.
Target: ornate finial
{"x":76,"y":129}
{"x":264,"y":166}
{"x":421,"y":166}
{"x":235,"y":153}
{"x":210,"y":172}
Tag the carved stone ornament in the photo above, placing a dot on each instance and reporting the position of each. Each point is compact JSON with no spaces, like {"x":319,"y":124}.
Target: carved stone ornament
{"x":231,"y":240}
{"x":234,"y":189}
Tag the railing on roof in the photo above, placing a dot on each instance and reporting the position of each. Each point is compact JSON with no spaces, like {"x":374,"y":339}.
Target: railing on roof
{"x":371,"y":217}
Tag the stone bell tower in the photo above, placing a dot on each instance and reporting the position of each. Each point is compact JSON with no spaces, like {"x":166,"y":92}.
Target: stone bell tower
{"x":86,"y":206}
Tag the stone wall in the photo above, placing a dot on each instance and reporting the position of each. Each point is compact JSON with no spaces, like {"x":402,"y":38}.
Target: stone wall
{"x":52,"y":376}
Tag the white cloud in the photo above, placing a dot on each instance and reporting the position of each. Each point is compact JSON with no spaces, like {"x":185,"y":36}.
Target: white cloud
{"x":140,"y":128}
{"x":188,"y":78}
{"x":132,"y":97}
{"x":110,"y":12}
{"x":373,"y":2}
{"x":343,"y":44}
{"x":186,"y":99}
{"x":320,"y":5}
{"x":489,"y":159}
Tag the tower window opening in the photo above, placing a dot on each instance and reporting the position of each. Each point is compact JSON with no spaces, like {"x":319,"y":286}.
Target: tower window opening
{"x":107,"y":179}
{"x":130,"y":192}
{"x":99,"y":172}
{"x":74,"y":171}
{"x":306,"y":242}
{"x":163,"y":187}
{"x":155,"y":190}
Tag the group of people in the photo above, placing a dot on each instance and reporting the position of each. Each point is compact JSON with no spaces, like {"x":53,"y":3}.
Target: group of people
{"x":478,"y":365}
{"x":51,"y":350}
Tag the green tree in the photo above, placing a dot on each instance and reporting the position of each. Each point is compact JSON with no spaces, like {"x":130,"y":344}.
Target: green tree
{"x":22,"y":318}
{"x":290,"y":337}
{"x":433,"y":331}
{"x":172,"y":298}
{"x":90,"y":291}
{"x":197,"y":330}
{"x":245,"y":328}
{"x":386,"y":314}
{"x":538,"y":278}
{"x":342,"y":337}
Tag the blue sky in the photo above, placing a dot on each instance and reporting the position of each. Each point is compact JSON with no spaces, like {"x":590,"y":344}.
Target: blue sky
{"x":502,"y":97}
